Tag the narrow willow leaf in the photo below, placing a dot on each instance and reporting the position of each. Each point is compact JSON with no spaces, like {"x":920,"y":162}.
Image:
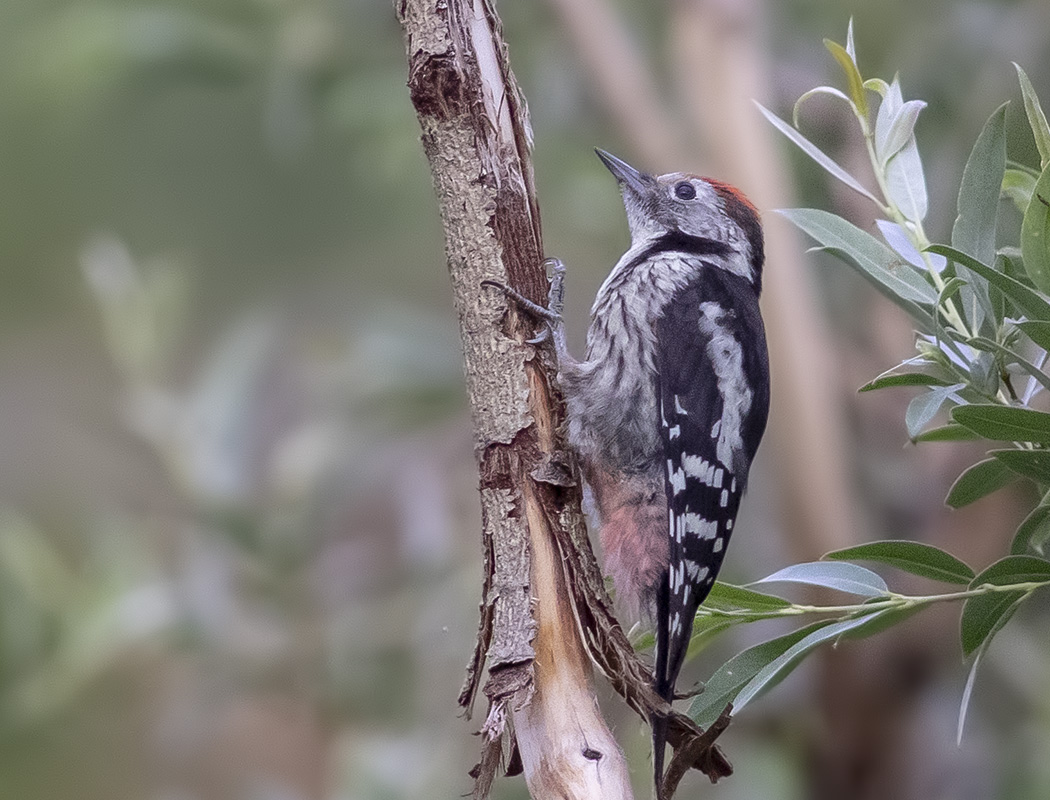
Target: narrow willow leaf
{"x":924,"y":408}
{"x":818,"y":90}
{"x":914,"y":557}
{"x":779,"y":668}
{"x":1035,"y":234}
{"x":1011,"y":570}
{"x":1033,"y":464}
{"x":1029,"y":302}
{"x":978,"y":481}
{"x":705,"y":631}
{"x":1008,"y":356}
{"x":903,"y":379}
{"x":851,"y":48}
{"x":1033,"y":532}
{"x":897,"y":238}
{"x":844,"y":577}
{"x":951,"y":288}
{"x":1036,"y":117}
{"x":1018,"y":186}
{"x":947,"y":433}
{"x":978,"y":208}
{"x":901,"y":130}
{"x":816,"y":153}
{"x":922,"y":317}
{"x":871,"y":256}
{"x":1038,"y":332}
{"x":727,"y":597}
{"x":985,"y":614}
{"x":853,"y":79}
{"x":903,"y":172}
{"x":877,"y":85}
{"x":722,"y":687}
{"x":982,"y":180}
{"x":1005,"y":423}
{"x":964,"y":703}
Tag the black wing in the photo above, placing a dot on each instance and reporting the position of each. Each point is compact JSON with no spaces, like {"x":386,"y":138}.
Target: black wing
{"x":714,"y":398}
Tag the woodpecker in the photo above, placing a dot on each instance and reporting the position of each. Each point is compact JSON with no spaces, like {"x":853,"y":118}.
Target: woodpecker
{"x":666,"y":411}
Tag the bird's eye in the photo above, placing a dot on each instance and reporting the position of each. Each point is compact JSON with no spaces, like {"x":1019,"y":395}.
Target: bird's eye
{"x":685,"y":191}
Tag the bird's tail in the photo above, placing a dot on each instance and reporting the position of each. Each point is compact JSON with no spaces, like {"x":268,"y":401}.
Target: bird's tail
{"x":663,"y":683}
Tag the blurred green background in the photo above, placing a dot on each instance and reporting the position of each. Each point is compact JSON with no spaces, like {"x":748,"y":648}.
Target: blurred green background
{"x":239,"y":549}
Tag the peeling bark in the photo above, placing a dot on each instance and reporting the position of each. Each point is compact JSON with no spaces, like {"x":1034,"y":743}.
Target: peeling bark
{"x":545,"y":614}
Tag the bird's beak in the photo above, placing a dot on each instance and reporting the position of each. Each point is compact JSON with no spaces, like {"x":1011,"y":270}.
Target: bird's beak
{"x":627,"y":176}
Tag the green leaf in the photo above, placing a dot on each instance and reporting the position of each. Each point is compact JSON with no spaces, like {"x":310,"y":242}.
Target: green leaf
{"x":1007,"y":356}
{"x":1004,"y":423}
{"x":978,"y":481}
{"x":844,"y":577}
{"x":1033,"y":464}
{"x":902,"y":168}
{"x":901,"y":130}
{"x":1035,"y":234}
{"x":831,"y":90}
{"x":974,"y":230}
{"x":1036,"y":118}
{"x":851,"y":48}
{"x":914,"y":557}
{"x":722,"y":687}
{"x":984,"y":615}
{"x":816,"y":153}
{"x":780,"y":667}
{"x":1038,"y":332}
{"x":902,"y":379}
{"x":853,"y":79}
{"x":947,"y":433}
{"x":924,"y":408}
{"x":1018,"y":185}
{"x":705,"y":630}
{"x":978,"y":205}
{"x":875,"y":260}
{"x":727,"y":597}
{"x":1033,"y":532}
{"x":1029,"y":302}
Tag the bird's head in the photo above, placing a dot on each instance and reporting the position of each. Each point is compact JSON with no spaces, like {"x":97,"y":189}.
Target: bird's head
{"x":681,"y":204}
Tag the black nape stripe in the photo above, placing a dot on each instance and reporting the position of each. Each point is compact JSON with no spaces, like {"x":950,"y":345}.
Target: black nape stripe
{"x":678,"y":242}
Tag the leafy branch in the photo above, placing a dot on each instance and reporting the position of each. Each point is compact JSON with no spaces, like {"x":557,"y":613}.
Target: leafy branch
{"x":981,"y":309}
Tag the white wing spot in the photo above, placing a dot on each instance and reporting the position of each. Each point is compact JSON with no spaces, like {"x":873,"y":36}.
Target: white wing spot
{"x":698,"y":526}
{"x":674,"y":431}
{"x":678,"y":407}
{"x":719,"y":478}
{"x":676,"y":477}
{"x":718,"y":545}
{"x":716,"y":429}
{"x":729,"y":524}
{"x":724,"y":500}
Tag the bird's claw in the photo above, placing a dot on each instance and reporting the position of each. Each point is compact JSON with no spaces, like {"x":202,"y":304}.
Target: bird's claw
{"x":553,"y":329}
